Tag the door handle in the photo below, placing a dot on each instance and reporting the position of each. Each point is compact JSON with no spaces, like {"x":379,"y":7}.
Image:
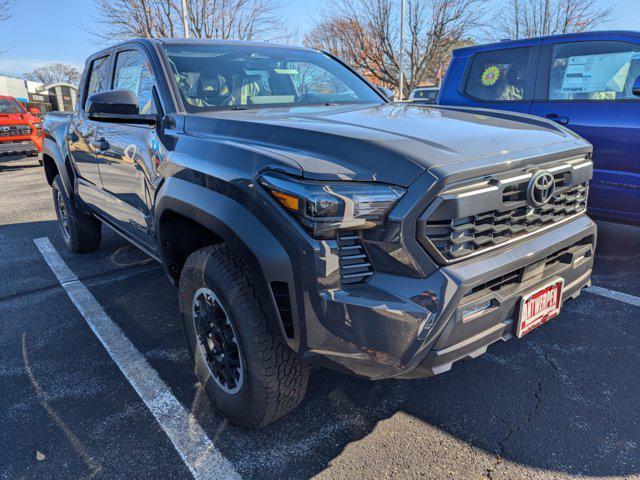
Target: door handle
{"x":101,"y":144}
{"x":558,"y":119}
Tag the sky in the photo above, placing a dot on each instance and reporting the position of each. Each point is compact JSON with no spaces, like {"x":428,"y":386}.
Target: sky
{"x":55,"y":31}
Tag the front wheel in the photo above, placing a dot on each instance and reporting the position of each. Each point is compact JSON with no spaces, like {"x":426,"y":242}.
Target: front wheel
{"x":81,"y":232}
{"x":248,"y":372}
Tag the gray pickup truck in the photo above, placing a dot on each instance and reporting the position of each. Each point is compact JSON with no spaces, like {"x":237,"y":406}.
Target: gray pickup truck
{"x":306,"y":219}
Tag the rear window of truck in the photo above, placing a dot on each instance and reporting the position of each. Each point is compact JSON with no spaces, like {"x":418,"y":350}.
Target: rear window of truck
{"x":499,"y":75}
{"x":98,"y":77}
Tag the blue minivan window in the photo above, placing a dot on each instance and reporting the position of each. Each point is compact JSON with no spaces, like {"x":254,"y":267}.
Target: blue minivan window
{"x":499,"y":76}
{"x":594,"y":71}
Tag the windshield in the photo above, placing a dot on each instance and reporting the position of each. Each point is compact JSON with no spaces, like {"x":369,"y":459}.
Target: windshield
{"x":213,"y":77}
{"x":8,"y":105}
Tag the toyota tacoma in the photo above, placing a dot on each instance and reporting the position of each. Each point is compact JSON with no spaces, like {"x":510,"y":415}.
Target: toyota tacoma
{"x":305,"y":219}
{"x":20,"y":131}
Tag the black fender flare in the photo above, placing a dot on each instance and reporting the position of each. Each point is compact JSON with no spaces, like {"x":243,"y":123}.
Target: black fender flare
{"x":263,"y":254}
{"x":51,"y":149}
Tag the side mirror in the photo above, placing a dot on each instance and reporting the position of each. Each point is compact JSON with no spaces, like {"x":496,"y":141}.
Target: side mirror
{"x":117,"y":106}
{"x":636,"y":87}
{"x":121,"y":102}
{"x":34,"y":110}
{"x":387,"y":92}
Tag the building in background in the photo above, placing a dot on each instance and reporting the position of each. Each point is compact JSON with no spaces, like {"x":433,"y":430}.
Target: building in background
{"x":57,"y":97}
{"x":61,"y":95}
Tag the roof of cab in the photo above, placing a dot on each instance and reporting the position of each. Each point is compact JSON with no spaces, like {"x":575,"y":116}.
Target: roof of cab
{"x":197,"y":41}
{"x":217,"y":41}
{"x":528,"y":41}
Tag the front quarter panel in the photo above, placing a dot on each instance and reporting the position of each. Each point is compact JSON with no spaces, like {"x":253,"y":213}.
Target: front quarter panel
{"x":212,"y":182}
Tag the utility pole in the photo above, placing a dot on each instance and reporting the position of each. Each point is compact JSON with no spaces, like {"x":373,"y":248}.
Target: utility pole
{"x":517,"y":11}
{"x":545,"y":20}
{"x":185,"y":24}
{"x":400,"y":77}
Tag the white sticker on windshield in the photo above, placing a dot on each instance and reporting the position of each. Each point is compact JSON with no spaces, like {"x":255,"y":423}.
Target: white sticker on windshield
{"x":286,"y":71}
{"x":596,"y":73}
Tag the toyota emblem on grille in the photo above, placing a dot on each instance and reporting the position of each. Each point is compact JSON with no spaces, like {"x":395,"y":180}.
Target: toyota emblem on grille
{"x":541,"y":188}
{"x":5,"y":129}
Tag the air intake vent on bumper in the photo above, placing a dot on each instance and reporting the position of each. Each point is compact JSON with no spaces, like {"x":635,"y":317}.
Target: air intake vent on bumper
{"x":283,"y":302}
{"x":355,"y":266}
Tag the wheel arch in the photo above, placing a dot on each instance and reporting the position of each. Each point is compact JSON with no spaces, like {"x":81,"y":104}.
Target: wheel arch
{"x":56,"y":163}
{"x":195,"y":216}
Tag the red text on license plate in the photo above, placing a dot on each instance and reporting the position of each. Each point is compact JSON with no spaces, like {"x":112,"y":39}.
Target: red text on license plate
{"x":539,"y":307}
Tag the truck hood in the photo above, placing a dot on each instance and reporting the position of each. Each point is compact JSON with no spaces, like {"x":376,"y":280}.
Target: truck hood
{"x":392,"y":143}
{"x":17,"y":119}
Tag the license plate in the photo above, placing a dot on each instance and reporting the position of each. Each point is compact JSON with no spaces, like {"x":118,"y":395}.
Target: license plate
{"x":539,"y":307}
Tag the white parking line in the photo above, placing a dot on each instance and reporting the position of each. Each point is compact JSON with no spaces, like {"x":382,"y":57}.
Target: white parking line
{"x":621,"y":297}
{"x":189,"y":439}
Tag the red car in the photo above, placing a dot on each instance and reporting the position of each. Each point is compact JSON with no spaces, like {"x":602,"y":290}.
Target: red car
{"x":20,"y":131}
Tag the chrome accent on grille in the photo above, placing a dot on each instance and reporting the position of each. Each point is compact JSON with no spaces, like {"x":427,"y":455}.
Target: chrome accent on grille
{"x":475,"y":217}
{"x":14,"y":130}
{"x":355,"y":266}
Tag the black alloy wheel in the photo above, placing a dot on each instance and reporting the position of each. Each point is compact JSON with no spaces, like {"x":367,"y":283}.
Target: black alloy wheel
{"x":217,"y":341}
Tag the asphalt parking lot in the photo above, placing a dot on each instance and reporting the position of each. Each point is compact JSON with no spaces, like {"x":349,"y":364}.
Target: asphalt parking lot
{"x":563,"y":402}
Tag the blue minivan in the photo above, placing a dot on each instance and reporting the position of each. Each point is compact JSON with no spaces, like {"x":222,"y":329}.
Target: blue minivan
{"x":589,"y":82}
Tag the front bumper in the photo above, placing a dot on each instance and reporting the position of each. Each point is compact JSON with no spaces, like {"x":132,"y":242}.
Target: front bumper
{"x":397,"y":326}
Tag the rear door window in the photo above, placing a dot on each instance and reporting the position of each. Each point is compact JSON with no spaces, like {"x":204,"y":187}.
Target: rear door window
{"x":594,"y":71}
{"x":500,"y":75}
{"x":99,"y":77}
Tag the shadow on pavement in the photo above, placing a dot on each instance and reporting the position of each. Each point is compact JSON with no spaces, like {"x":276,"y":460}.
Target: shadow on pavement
{"x":562,"y":399}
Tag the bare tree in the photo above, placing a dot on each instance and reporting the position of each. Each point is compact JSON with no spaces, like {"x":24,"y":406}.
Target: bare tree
{"x":237,"y":19}
{"x":226,"y":19}
{"x":5,"y":14}
{"x":5,"y":9}
{"x":336,"y":36}
{"x":54,"y":73}
{"x":366,"y":33}
{"x":533,"y":18}
{"x":122,"y":19}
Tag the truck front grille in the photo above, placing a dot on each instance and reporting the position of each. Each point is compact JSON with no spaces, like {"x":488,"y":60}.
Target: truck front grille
{"x":460,"y":237}
{"x":355,"y":266}
{"x":14,"y":130}
{"x":475,"y":217}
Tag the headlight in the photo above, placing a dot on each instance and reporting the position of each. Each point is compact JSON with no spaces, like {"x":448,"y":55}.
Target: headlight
{"x":323,"y":208}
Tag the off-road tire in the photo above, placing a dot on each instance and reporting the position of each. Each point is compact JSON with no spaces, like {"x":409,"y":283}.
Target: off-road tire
{"x":83,"y":233}
{"x":274,"y":378}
